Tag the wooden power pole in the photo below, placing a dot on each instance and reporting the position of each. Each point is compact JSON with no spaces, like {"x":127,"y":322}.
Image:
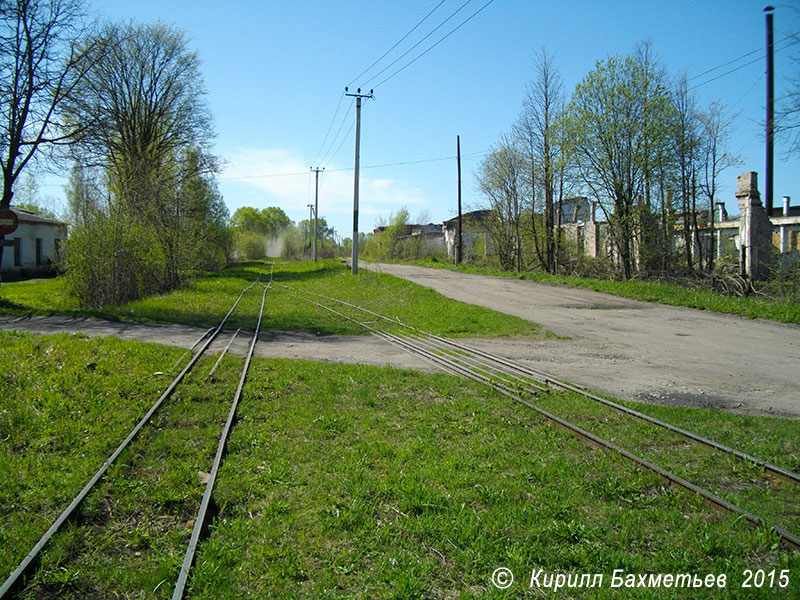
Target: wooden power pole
{"x":459,"y":246}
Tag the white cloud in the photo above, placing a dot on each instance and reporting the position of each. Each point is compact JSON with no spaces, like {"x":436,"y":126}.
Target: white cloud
{"x":285,"y":180}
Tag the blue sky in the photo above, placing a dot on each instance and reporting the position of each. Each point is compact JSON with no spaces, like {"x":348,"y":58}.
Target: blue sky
{"x":275,"y":72}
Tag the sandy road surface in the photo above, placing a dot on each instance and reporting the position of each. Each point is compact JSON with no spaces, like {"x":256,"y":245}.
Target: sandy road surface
{"x":637,"y":350}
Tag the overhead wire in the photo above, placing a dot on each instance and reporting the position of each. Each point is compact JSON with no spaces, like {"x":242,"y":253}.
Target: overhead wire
{"x":327,"y":133}
{"x":760,"y":57}
{"x":730,"y":62}
{"x":325,"y":157}
{"x":399,"y":58}
{"x":339,"y":147}
{"x":380,"y":166}
{"x":460,"y":25}
{"x":412,"y":30}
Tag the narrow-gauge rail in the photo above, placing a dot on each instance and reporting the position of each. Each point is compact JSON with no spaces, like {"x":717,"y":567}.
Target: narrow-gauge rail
{"x":522,"y":383}
{"x":15,"y":579}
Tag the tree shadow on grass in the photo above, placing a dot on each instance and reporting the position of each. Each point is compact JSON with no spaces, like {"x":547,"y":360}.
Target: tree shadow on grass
{"x":9,"y":305}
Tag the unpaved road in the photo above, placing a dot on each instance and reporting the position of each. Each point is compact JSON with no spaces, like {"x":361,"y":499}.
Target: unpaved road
{"x":637,"y":350}
{"x":356,"y":349}
{"x":625,"y":348}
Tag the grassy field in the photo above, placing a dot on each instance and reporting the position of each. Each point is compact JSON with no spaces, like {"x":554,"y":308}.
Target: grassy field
{"x":754,"y":307}
{"x":342,"y":481}
{"x":206,"y":301}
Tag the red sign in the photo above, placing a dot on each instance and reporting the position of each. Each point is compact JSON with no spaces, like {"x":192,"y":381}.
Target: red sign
{"x":8,"y":221}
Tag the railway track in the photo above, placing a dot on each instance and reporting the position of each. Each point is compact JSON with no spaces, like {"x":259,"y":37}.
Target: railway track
{"x":526,"y":386}
{"x":15,"y":581}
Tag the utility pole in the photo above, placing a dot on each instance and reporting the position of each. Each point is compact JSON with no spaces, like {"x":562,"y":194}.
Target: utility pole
{"x":770,"y":112}
{"x":310,"y":215}
{"x":316,"y":207}
{"x":358,"y":96}
{"x":459,"y":247}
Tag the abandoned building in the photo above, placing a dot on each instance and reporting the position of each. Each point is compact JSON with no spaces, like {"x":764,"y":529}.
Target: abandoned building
{"x":429,"y":236}
{"x":33,"y":247}
{"x":748,"y":236}
{"x":475,"y":237}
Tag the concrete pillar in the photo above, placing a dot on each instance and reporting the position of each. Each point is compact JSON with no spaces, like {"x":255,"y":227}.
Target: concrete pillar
{"x":755,"y":228}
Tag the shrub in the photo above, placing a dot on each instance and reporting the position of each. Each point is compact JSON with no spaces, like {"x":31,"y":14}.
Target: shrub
{"x":252,"y":245}
{"x":112,"y":260}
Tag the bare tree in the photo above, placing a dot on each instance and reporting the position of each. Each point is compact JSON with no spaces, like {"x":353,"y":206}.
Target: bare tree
{"x":145,"y":121}
{"x":142,"y":104}
{"x":501,"y":180}
{"x":537,"y":129}
{"x":40,"y":66}
{"x":686,"y":143}
{"x":715,"y":131}
{"x":787,"y":115}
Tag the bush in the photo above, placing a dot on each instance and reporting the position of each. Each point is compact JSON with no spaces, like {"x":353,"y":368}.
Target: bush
{"x":783,"y":280}
{"x":252,"y":245}
{"x":112,"y":260}
{"x":292,"y":245}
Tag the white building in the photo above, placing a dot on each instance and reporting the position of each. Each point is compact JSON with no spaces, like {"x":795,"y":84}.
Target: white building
{"x":33,"y":247}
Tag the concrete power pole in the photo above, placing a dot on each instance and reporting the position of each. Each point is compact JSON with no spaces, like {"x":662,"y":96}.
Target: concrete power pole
{"x":316,"y":207}
{"x":358,"y":96}
{"x":310,"y":216}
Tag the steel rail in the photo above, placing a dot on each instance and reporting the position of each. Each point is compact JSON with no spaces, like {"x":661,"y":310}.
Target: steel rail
{"x":202,"y":513}
{"x":524,"y":383}
{"x":13,"y":578}
{"x":193,"y":346}
{"x":767,"y":466}
{"x":223,"y":353}
{"x":549,"y":379}
{"x":787,"y":537}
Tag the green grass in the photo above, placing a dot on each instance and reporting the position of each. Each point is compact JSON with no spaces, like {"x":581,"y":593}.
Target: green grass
{"x":341,"y":481}
{"x":67,"y":402}
{"x":205,"y":302}
{"x":649,"y":291}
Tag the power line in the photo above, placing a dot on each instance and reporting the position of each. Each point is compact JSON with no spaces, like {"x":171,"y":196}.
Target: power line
{"x":730,"y":62}
{"x":397,"y":43}
{"x":747,"y":64}
{"x":327,"y":133}
{"x":464,"y":22}
{"x":381,"y":166}
{"x":344,"y":139}
{"x":325,"y":156}
{"x":399,"y":58}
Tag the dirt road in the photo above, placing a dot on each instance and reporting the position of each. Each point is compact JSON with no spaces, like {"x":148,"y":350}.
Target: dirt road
{"x":625,"y":348}
{"x":355,"y":349}
{"x":637,"y":350}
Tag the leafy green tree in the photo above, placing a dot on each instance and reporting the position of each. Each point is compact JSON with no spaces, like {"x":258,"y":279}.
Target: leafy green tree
{"x":270,"y":221}
{"x":617,"y":124}
{"x":247,"y":218}
{"x":145,"y":124}
{"x":276,"y":220}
